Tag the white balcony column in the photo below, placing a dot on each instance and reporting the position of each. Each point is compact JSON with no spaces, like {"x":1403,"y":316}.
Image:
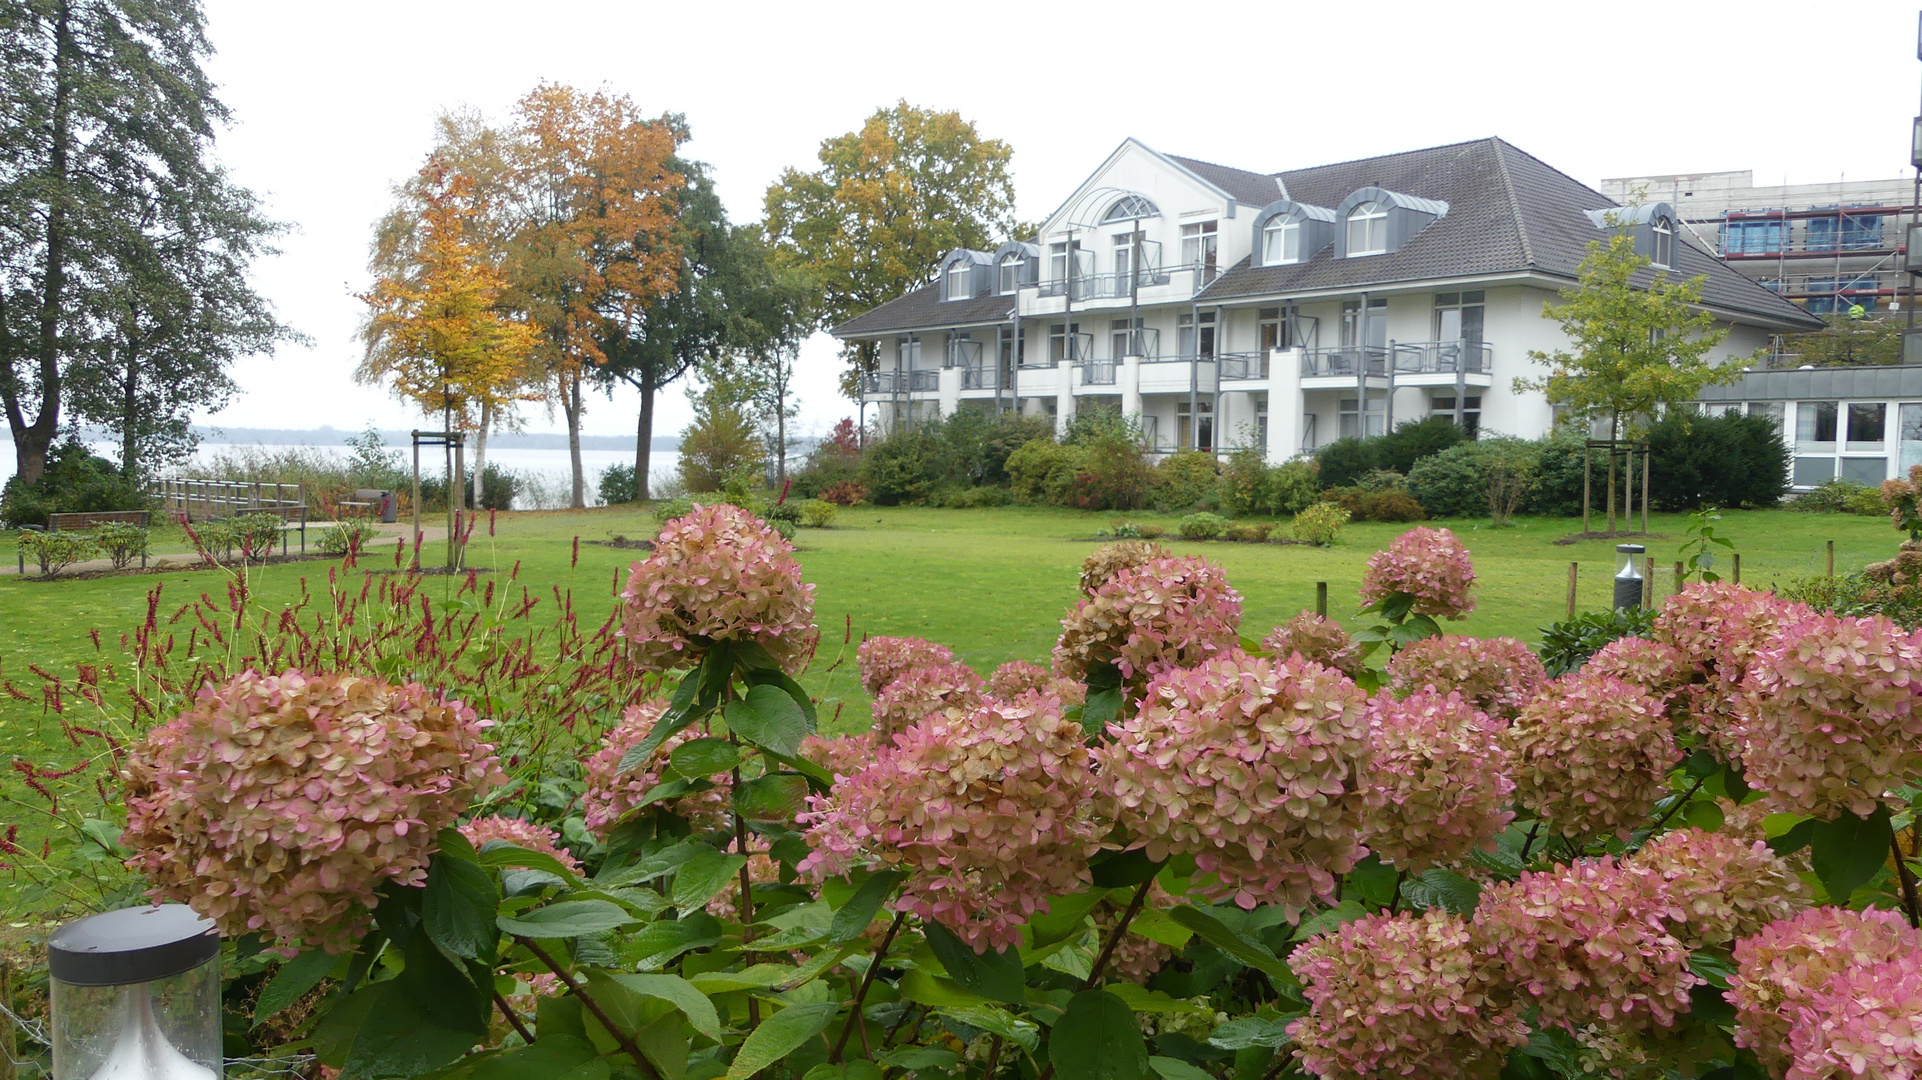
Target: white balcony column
{"x":1064,"y":398}
{"x":1129,"y":378}
{"x":949,"y":388}
{"x":1286,"y":404}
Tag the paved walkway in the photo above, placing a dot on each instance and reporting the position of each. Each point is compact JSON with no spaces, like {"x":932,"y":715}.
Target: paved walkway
{"x":383,"y":546}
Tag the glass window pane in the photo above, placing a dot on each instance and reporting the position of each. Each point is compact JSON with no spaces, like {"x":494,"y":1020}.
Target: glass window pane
{"x":1871,"y":471}
{"x":1868,"y":423}
{"x":1770,"y":409}
{"x":1810,"y":471}
{"x":1910,"y":448}
{"x":1815,"y":421}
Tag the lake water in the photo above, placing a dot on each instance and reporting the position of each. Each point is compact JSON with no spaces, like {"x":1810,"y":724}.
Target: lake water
{"x":544,"y":472}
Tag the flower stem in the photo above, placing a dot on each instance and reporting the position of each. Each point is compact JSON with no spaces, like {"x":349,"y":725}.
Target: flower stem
{"x":1909,"y":900}
{"x":620,"y":1037}
{"x":1679,"y":803}
{"x":900,"y":1023}
{"x":1533,"y":828}
{"x":994,"y":1058}
{"x":861,"y":993}
{"x":513,"y":1018}
{"x":1107,"y":950}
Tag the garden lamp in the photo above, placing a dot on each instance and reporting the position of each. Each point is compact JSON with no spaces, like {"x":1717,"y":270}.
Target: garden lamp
{"x":1628,"y":580}
{"x":136,"y":996}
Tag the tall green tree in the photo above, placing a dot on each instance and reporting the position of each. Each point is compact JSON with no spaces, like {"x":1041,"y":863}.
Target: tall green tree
{"x":887,"y":202}
{"x":110,"y":211}
{"x":1639,"y":342}
{"x":1850,"y":342}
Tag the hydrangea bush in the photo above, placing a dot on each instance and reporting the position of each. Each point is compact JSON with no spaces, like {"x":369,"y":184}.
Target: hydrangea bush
{"x":1178,"y":852}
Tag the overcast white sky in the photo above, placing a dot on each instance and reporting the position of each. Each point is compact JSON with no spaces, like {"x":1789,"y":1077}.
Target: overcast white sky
{"x":334,"y":102}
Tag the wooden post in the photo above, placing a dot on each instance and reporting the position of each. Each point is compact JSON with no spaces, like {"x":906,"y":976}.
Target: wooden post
{"x":8,"y":1043}
{"x":1648,"y":582}
{"x":1588,"y":465}
{"x":1574,"y":569}
{"x":1831,"y":558}
{"x":1645,"y":457}
{"x":1738,"y":568}
{"x":456,"y":501}
{"x":415,"y":539}
{"x":1678,"y":575}
{"x":1321,"y":599}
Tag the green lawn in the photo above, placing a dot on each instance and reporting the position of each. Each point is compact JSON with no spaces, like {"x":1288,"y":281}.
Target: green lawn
{"x":992,"y":584}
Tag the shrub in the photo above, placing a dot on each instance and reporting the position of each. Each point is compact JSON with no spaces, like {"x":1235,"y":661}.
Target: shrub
{"x":1416,"y":439}
{"x":1557,"y":491}
{"x":1291,"y":487}
{"x":721,"y":444}
{"x":1114,"y":475}
{"x":975,"y":498}
{"x":348,"y":536}
{"x":121,"y":542}
{"x":833,"y":463}
{"x":1320,"y":524}
{"x":905,"y":467}
{"x":1728,"y":460}
{"x":847,"y":493}
{"x":669,"y":509}
{"x":617,"y":485}
{"x":789,"y":511}
{"x":1567,"y":645}
{"x":76,"y":481}
{"x":1186,"y":480}
{"x":1345,"y":461}
{"x":1475,"y":478}
{"x":818,"y":513}
{"x":498,"y":488}
{"x":1387,"y":505}
{"x":1243,"y":480}
{"x":1150,"y":532}
{"x":1379,"y":480}
{"x":977,"y":446}
{"x":1203,"y":526}
{"x":55,"y":551}
{"x":1043,"y":471}
{"x":1250,"y":533}
{"x":1840,"y":496}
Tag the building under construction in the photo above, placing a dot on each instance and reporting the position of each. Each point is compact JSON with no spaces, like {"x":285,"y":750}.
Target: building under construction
{"x":1828,"y":247}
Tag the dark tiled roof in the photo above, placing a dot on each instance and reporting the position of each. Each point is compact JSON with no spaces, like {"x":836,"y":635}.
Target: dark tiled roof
{"x":1507,"y":212}
{"x":1253,"y":188}
{"x":922,"y":309}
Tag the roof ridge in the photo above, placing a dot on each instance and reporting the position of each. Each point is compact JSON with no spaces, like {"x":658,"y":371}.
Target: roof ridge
{"x":1514,"y":201}
{"x":1219,"y":165}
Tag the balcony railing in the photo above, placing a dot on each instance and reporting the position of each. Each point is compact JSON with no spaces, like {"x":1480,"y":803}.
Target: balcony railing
{"x":1442,"y":357}
{"x":1098,"y":372}
{"x":964,"y":354}
{"x":1344,"y":361}
{"x":1117,"y":285}
{"x":978,"y":378}
{"x":1243,"y":367}
{"x":900,"y":382}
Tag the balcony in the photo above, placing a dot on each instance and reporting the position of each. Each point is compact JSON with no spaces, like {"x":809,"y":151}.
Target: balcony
{"x":1098,"y":372}
{"x":979,"y":378}
{"x":1121,"y":286}
{"x":1442,"y":358}
{"x":1347,"y":361}
{"x":884,"y":383}
{"x":1243,"y":366}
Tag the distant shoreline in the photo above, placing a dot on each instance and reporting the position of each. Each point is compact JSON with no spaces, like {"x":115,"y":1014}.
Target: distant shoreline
{"x":331,"y":436}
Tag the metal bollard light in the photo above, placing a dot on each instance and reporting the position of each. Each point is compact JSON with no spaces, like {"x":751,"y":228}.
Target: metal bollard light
{"x":1628,"y":580}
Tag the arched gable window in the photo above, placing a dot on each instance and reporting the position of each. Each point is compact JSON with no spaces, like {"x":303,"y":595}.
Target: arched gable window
{"x":1010,"y":279}
{"x":1368,"y":229}
{"x":1130,"y":208}
{"x":960,"y":280}
{"x":1663,"y":234}
{"x":1280,"y":240}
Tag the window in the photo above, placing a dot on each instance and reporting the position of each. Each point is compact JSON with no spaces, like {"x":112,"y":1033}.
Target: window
{"x":1198,"y":247}
{"x":1867,"y":471}
{"x":962,"y":351}
{"x":1058,"y":262}
{"x":1909,"y":448}
{"x":1368,"y":229}
{"x":1471,"y":419}
{"x":1272,"y":329}
{"x":1195,"y":345}
{"x":1189,"y":436}
{"x":1123,"y":338}
{"x":1868,"y":425}
{"x":1261,"y":424}
{"x":1810,"y":471}
{"x":1350,"y":417}
{"x":1353,"y":330}
{"x":1458,"y":316}
{"x":1772,"y":410}
{"x":1751,"y":237}
{"x":1130,"y":208}
{"x":960,"y":281}
{"x":908,"y":349}
{"x":1663,"y":232}
{"x":1861,"y":232}
{"x":1010,"y":348}
{"x":1124,"y":261}
{"x":1061,"y":342}
{"x":1010,"y":274}
{"x":1815,"y":425}
{"x":1280,"y":241}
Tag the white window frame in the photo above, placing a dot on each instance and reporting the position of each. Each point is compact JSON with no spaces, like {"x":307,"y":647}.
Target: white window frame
{"x":1009,"y":281}
{"x":1662,"y":244}
{"x":1201,"y":244}
{"x":1278,"y":236}
{"x":1373,"y":219}
{"x":966,"y":273}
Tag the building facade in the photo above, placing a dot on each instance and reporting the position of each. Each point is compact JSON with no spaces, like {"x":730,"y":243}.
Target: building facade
{"x":1827,"y":247}
{"x":1225,"y":309}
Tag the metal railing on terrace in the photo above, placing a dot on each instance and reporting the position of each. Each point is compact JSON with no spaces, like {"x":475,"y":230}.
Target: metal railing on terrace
{"x":1344,"y":360}
{"x":963,"y":354}
{"x":1243,"y":366}
{"x":1442,"y":357}
{"x":979,"y":378}
{"x":1117,"y":285}
{"x":899,"y":382}
{"x":1098,"y":372}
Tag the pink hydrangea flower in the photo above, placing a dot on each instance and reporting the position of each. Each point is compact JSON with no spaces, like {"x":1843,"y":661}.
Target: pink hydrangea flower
{"x":1427,"y":564}
{"x":524,"y":834}
{"x":718,"y":574}
{"x":1164,"y":613}
{"x":1866,"y":1023}
{"x":991,"y":813}
{"x":921,"y":692}
{"x":885,"y":659}
{"x":842,"y":755}
{"x":1663,"y":670}
{"x":1316,"y":638}
{"x":1719,"y":626}
{"x":1589,"y":941}
{"x":1108,"y":560}
{"x":279,"y":804}
{"x":1496,"y":675}
{"x":1828,"y":719}
{"x":1017,"y":677}
{"x":612,"y":794}
{"x":1721,"y":886}
{"x":1437,"y":787}
{"x":1780,"y":970}
{"x":1591,"y":755}
{"x":1403,"y":995}
{"x":1255,"y":767}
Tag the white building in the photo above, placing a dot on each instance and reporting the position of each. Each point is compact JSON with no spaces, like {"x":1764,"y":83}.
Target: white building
{"x":1225,"y":309}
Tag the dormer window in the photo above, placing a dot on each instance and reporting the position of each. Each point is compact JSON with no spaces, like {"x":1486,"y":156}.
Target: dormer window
{"x":1663,"y":255}
{"x":1368,"y":229}
{"x":1280,"y":241}
{"x":1010,"y":274}
{"x":960,"y":281}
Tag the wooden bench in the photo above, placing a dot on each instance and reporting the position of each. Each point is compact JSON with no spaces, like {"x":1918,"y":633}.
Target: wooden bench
{"x":85,"y":520}
{"x":376,"y":502}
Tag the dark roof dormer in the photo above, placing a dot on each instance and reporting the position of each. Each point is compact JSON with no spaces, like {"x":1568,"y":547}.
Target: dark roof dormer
{"x":1016,"y":263}
{"x":1376,"y":221}
{"x":1290,"y":232}
{"x":1651,"y":224}
{"x":966,"y":274}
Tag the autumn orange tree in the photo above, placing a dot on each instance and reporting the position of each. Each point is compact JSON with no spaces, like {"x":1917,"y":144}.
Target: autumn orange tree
{"x":436,"y":328}
{"x":593,"y":193}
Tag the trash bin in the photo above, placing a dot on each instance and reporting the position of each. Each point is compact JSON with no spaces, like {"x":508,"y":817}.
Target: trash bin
{"x":389,"y":508}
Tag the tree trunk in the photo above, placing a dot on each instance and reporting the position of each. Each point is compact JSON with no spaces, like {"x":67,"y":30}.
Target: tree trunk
{"x":129,"y":442}
{"x":31,"y":443}
{"x":480,"y":450}
{"x":1611,"y":483}
{"x":571,"y":407}
{"x":644,"y":436}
